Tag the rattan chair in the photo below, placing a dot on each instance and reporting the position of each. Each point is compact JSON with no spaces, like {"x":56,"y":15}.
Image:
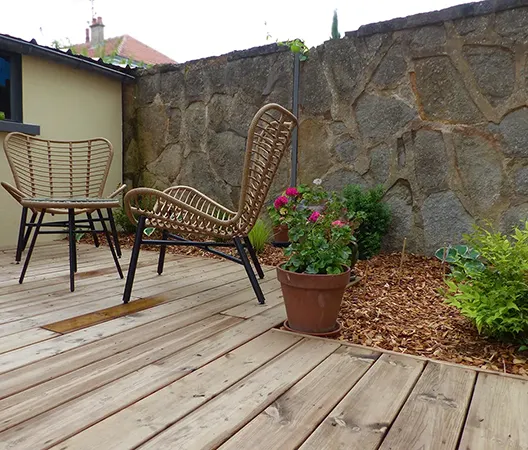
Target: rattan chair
{"x":57,"y":171}
{"x":183,"y":209}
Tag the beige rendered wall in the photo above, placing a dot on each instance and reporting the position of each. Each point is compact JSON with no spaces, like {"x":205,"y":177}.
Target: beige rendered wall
{"x":68,"y":104}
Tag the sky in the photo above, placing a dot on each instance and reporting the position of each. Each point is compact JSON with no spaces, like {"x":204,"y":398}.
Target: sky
{"x":192,"y":29}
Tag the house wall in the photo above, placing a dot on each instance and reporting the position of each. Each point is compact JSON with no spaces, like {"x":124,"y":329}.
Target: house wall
{"x":68,"y":104}
{"x":433,"y":107}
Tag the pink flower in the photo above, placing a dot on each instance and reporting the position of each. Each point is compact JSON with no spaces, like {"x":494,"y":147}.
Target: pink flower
{"x":314,"y":216}
{"x":280,"y":202}
{"x":292,"y":192}
{"x":338,"y":223}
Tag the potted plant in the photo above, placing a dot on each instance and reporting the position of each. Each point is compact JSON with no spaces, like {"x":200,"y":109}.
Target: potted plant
{"x":287,"y":202}
{"x":314,"y":278}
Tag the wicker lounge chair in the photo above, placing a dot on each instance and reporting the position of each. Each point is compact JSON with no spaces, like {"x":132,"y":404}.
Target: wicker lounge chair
{"x":183,"y":209}
{"x":49,"y":174}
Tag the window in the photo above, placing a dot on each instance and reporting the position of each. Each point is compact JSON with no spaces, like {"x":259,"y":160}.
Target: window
{"x":10,"y":87}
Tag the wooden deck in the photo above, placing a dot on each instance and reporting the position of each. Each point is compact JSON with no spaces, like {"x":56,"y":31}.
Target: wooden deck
{"x":202,"y":367}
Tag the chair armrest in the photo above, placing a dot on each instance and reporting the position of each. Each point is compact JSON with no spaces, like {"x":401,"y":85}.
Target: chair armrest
{"x":15,"y":193}
{"x":118,"y":191}
{"x":172,"y":202}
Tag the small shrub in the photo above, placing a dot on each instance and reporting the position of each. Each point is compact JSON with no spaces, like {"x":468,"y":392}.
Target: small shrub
{"x":260,"y":235}
{"x":122,"y":221}
{"x":488,"y":282}
{"x":375,"y":215}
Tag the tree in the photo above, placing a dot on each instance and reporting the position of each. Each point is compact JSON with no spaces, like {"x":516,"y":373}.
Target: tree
{"x":335,"y":31}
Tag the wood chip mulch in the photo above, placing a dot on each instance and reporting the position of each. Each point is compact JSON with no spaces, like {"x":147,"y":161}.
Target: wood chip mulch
{"x":402,"y":311}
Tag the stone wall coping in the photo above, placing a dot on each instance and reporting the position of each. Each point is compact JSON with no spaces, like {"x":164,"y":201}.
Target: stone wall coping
{"x":463,"y":11}
{"x":231,"y":56}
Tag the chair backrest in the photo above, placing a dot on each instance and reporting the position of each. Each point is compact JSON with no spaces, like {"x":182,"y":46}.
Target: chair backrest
{"x":268,"y":139}
{"x":58,"y":169}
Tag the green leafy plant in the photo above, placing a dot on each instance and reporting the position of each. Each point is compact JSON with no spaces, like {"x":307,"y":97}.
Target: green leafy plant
{"x":335,"y":30}
{"x":2,"y":115}
{"x":260,"y":235}
{"x":319,"y":230}
{"x":375,"y":217}
{"x":297,"y":46}
{"x":488,"y":282}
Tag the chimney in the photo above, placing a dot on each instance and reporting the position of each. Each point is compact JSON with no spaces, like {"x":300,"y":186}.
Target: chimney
{"x":87,"y":36}
{"x":97,"y":31}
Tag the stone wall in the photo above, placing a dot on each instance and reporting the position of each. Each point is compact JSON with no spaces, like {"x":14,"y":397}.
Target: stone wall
{"x":434,"y":107}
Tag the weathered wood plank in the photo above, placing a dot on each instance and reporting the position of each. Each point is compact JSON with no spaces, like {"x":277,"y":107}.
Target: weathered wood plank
{"x":24,"y":338}
{"x":43,"y":397}
{"x":140,"y":421}
{"x":362,"y":418}
{"x":292,"y":417}
{"x":498,"y":415}
{"x":217,"y":420}
{"x":122,"y":334}
{"x":434,"y":413}
{"x":68,"y":419}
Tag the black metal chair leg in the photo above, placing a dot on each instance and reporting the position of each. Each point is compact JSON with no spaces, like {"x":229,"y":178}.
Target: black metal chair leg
{"x":72,"y":247}
{"x":163,"y":250}
{"x":134,"y":259}
{"x":114,"y":231}
{"x":29,"y":229}
{"x":21,"y":232}
{"x":92,"y":228}
{"x":31,"y":246}
{"x":249,"y":270}
{"x":110,"y":243}
{"x":254,"y":257}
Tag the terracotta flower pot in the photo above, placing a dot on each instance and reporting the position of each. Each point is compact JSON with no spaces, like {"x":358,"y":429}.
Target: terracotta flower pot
{"x":280,"y":233}
{"x":312,"y":301}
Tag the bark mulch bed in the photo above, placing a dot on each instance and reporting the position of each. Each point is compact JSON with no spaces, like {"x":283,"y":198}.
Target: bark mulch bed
{"x":401,"y":310}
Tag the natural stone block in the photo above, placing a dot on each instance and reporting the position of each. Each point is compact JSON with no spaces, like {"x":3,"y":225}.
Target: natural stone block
{"x":516,"y":216}
{"x":494,"y":71}
{"x":348,"y":150}
{"x":400,"y":200}
{"x":521,"y":181}
{"x":512,"y":23}
{"x":337,"y":180}
{"x":194,"y":123}
{"x":314,"y":153}
{"x":380,"y":160}
{"x":168,"y":164}
{"x":444,"y":220}
{"x":381,"y":117}
{"x":147,"y":88}
{"x":226,"y":153}
{"x":430,"y":161}
{"x":315,"y":96}
{"x":153,"y":125}
{"x":480,"y":168}
{"x":428,"y":41}
{"x":391,"y":69}
{"x":514,"y":130}
{"x":472,"y":27}
{"x":172,"y":87}
{"x":442,"y":93}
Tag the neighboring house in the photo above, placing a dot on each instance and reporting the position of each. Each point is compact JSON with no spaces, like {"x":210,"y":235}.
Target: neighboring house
{"x":121,"y":50}
{"x":56,"y":95}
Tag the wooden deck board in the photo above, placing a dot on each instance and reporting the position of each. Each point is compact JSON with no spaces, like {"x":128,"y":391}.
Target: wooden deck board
{"x":290,"y":420}
{"x":205,"y":368}
{"x":361,"y":419}
{"x":498,"y":415}
{"x":435,"y":411}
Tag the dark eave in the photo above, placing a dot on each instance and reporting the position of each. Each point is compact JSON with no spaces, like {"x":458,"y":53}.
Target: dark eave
{"x":17,"y":45}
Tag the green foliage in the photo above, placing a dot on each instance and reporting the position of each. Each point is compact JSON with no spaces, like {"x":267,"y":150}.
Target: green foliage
{"x":335,"y":31}
{"x":2,"y":115}
{"x":297,"y":46}
{"x":488,"y":282}
{"x":320,"y":233}
{"x":260,"y":235}
{"x":375,"y":217}
{"x":122,"y":220}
